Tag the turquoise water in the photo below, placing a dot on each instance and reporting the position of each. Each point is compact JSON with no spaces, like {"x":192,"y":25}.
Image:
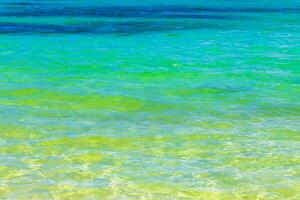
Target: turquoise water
{"x":150,"y":100}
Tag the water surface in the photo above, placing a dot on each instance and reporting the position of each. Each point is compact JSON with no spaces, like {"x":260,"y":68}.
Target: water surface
{"x":150,"y":100}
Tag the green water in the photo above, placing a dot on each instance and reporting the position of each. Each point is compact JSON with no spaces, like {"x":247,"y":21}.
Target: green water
{"x":150,"y":100}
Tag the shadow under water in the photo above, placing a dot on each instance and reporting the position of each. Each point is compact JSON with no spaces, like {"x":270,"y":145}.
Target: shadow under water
{"x":114,"y":27}
{"x":134,"y":20}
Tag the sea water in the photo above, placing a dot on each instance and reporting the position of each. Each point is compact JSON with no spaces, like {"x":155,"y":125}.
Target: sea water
{"x":150,"y":100}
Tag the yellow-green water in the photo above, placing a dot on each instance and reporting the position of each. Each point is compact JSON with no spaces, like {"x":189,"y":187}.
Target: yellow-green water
{"x":150,"y":100}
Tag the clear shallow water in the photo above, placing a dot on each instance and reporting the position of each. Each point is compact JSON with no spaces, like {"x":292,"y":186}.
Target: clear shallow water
{"x":151,"y":100}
